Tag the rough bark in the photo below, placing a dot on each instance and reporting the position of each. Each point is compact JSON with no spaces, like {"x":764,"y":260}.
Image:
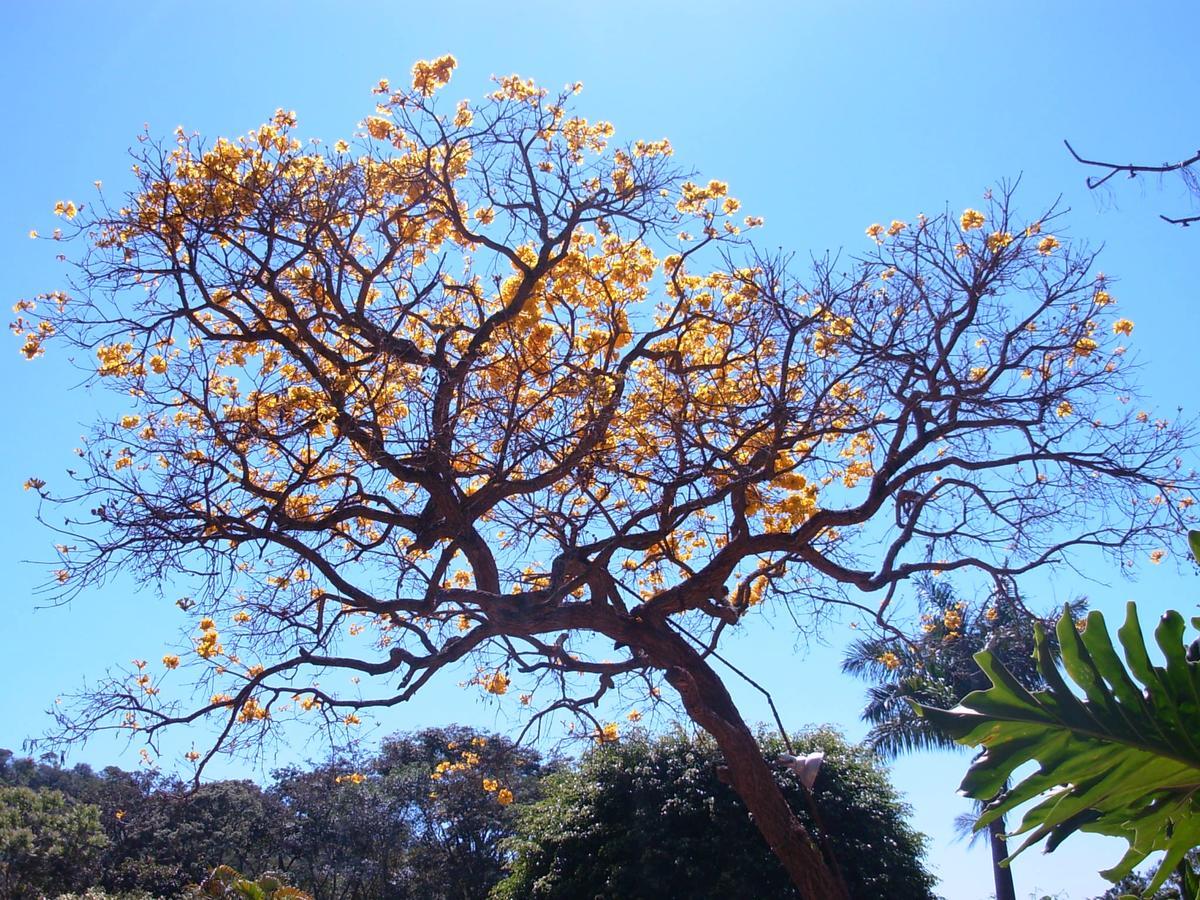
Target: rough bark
{"x":709,"y":704}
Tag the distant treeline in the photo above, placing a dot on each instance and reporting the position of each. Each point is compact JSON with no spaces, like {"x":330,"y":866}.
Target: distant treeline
{"x":450,"y":813}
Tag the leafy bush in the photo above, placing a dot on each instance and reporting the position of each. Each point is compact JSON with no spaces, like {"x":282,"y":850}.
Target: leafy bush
{"x":649,"y":817}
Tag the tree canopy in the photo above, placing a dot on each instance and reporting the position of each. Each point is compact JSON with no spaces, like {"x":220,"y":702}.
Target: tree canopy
{"x":484,"y":387}
{"x":648,"y":817}
{"x":414,"y":818}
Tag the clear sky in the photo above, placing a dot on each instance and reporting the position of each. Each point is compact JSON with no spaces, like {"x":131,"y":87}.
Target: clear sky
{"x":823,"y":117}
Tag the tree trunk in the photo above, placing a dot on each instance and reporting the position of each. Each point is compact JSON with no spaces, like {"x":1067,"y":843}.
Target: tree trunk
{"x":710,"y":706}
{"x":1005,"y":890}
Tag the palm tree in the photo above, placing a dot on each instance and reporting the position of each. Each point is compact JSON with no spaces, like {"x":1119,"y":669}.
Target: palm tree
{"x":937,"y":668}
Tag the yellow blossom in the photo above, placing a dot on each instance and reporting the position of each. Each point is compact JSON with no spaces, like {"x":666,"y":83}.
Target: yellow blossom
{"x":874,"y":232}
{"x":504,"y":796}
{"x":1122,"y":326}
{"x":998,"y":240}
{"x":427,"y":76}
{"x":171,"y":661}
{"x":252,"y":711}
{"x":971,"y":218}
{"x":1157,"y":556}
{"x":1048,"y":245}
{"x":496,"y":683}
{"x":1064,"y":409}
{"x":889,"y":659}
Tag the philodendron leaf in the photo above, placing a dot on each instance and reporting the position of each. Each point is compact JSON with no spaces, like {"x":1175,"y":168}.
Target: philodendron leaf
{"x":1118,"y":753}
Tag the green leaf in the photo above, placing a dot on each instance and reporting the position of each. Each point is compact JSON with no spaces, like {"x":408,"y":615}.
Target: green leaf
{"x":1117,"y":748}
{"x":1194,"y":543}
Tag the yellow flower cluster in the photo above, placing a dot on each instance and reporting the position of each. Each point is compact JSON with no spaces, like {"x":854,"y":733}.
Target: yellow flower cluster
{"x":496,"y":683}
{"x":252,"y":711}
{"x":208,"y":644}
{"x":1048,"y":245}
{"x":998,"y":240}
{"x":350,"y":778}
{"x":889,"y":659}
{"x":427,"y":76}
{"x":971,"y":219}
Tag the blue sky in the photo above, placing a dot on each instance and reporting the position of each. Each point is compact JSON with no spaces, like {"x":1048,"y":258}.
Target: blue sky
{"x":823,"y":117}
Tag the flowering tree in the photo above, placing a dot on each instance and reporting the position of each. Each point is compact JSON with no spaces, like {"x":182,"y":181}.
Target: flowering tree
{"x":484,"y":387}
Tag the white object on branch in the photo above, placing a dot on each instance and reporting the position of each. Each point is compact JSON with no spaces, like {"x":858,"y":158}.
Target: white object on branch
{"x":804,"y":767}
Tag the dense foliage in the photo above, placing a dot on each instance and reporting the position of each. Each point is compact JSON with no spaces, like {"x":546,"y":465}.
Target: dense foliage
{"x":414,"y":820}
{"x":650,"y":817}
{"x":46,"y":842}
{"x":454,"y":814}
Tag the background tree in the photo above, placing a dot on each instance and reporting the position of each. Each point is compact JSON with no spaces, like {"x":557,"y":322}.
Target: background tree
{"x":422,"y":818}
{"x":462,"y":789}
{"x":648,"y":817}
{"x":937,"y":668}
{"x":48,"y":845}
{"x":340,"y":839}
{"x":159,"y":837}
{"x":485,"y":378}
